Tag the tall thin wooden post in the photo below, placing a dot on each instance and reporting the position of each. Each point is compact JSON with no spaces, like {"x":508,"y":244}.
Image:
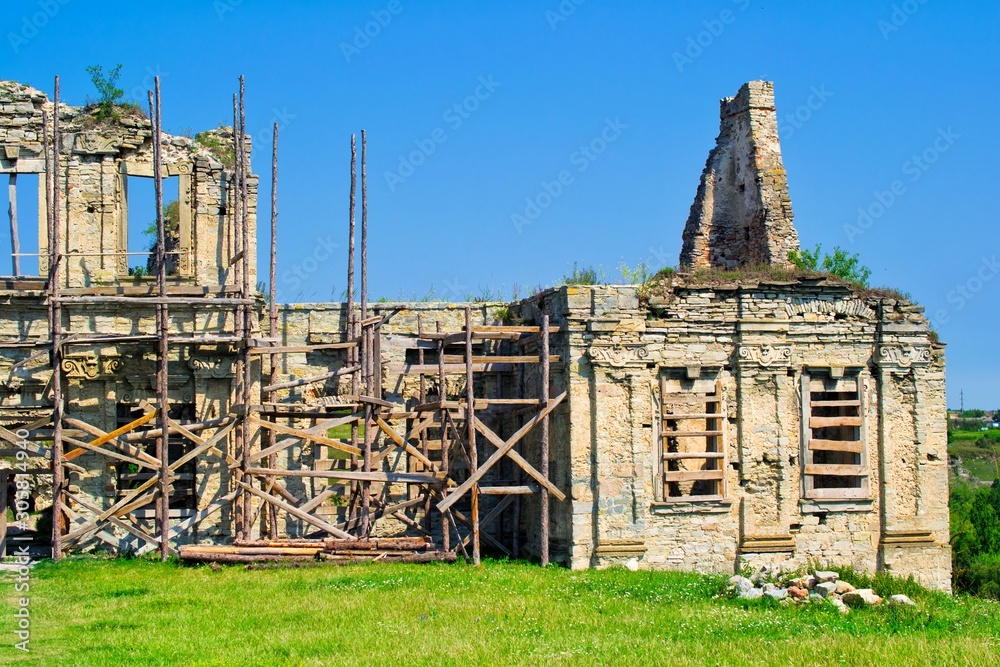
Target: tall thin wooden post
{"x":423,"y":399}
{"x":162,"y":320}
{"x":3,"y":511}
{"x":245,"y":311}
{"x":367,"y":335}
{"x":242,"y":498}
{"x":544,"y":533}
{"x":272,"y":303}
{"x":55,"y":257}
{"x":445,"y":446}
{"x":470,"y":422}
{"x":354,"y":353}
{"x":15,"y":244}
{"x":519,"y":476}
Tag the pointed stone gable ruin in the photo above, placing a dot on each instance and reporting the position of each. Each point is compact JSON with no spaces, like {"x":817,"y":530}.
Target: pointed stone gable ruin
{"x":742,"y":214}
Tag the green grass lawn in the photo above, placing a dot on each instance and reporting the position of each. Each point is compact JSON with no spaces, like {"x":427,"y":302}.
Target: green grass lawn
{"x":87,"y":612}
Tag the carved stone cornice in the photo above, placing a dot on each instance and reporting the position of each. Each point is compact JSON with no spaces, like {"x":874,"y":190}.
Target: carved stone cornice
{"x":92,"y":367}
{"x":619,"y":355}
{"x":902,"y":357}
{"x":765,"y":355}
{"x":211,"y":367}
{"x":855,"y":307}
{"x":94,"y":143}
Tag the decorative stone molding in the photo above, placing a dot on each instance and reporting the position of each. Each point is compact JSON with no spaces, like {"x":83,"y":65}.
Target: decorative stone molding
{"x":855,"y":307}
{"x":903,"y":356}
{"x":766,"y":355}
{"x":92,"y":367}
{"x":92,"y":143}
{"x":620,"y":548}
{"x":907,"y":538}
{"x":214,"y":367}
{"x":760,"y":544}
{"x":619,"y":355}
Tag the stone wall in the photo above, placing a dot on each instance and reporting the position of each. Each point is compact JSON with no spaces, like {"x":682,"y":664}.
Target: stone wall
{"x":742,"y":214}
{"x":99,"y":158}
{"x":756,"y":343}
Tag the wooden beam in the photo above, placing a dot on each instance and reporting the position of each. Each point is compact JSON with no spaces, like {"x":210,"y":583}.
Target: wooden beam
{"x":108,"y":437}
{"x":853,"y":446}
{"x":837,"y":470}
{"x":296,"y":512}
{"x":503,"y":447}
{"x":692,"y":475}
{"x":828,"y":422}
{"x":304,"y":435}
{"x":357,"y":475}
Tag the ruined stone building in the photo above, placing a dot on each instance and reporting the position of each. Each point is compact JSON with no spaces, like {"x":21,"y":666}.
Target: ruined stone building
{"x":737,"y":411}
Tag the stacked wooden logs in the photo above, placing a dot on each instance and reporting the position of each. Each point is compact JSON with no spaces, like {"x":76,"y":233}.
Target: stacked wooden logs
{"x":332,"y":550}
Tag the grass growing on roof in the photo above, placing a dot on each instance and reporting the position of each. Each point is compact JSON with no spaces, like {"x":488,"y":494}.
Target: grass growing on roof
{"x":139,"y":612}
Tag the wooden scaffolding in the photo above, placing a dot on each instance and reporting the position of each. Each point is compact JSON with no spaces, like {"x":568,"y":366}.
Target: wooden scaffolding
{"x":460,"y":439}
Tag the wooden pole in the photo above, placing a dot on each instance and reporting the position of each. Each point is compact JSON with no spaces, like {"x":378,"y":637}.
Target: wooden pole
{"x":354,"y":354}
{"x":470,"y":422}
{"x":15,"y":245}
{"x":442,"y":397}
{"x":245,"y":311}
{"x":272,"y":524}
{"x":516,"y":550}
{"x":424,"y":449}
{"x":162,"y":314}
{"x":544,"y":502}
{"x":367,"y":361}
{"x":242,"y":500}
{"x":3,"y":511}
{"x":56,"y":338}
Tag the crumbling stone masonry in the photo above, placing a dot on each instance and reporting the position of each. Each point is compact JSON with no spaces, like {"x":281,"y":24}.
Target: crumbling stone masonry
{"x":711,"y":420}
{"x":742,"y":214}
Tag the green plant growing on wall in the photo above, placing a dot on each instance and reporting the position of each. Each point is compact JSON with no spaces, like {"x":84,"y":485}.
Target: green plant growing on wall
{"x":587,"y":275}
{"x":638,"y":275}
{"x":222,"y":151}
{"x":110,"y":98}
{"x":841,"y":263}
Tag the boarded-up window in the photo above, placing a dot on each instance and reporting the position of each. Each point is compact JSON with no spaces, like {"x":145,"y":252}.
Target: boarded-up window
{"x":835,"y":463}
{"x":692,"y":439}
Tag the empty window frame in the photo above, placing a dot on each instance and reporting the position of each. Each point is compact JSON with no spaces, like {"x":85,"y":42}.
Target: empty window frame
{"x":130,"y":476}
{"x":137,"y":235}
{"x":19,"y":204}
{"x":834,"y":457}
{"x":692,"y":440}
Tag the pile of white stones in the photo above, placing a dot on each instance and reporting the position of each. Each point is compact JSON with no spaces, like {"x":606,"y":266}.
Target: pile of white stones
{"x":821,"y":586}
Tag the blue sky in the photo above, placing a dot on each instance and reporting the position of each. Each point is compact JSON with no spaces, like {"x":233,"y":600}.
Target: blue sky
{"x":885,"y":107}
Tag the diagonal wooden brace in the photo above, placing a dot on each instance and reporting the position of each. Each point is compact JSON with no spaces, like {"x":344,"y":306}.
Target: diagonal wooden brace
{"x":503,"y":448}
